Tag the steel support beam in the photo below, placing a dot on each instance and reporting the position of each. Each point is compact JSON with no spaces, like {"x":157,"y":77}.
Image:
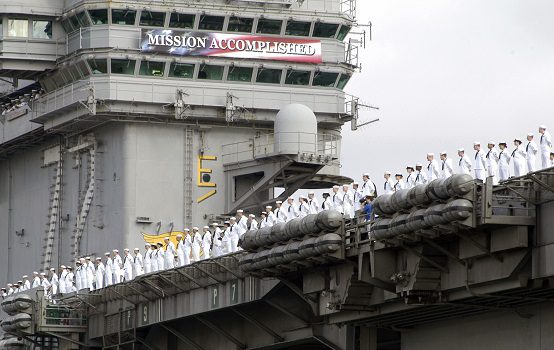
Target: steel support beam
{"x":221,"y":332}
{"x":182,"y":337}
{"x":260,"y":325}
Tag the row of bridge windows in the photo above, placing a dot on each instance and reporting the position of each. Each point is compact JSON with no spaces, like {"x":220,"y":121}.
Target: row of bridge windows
{"x":230,"y":24}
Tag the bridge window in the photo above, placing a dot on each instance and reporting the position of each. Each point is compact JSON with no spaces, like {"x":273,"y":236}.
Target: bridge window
{"x":209,"y":72}
{"x":326,"y":79}
{"x":343,"y":32}
{"x":82,"y":19}
{"x":42,"y":29}
{"x":181,"y":70}
{"x":122,"y":66}
{"x":125,"y":17}
{"x":270,"y":76}
{"x":240,"y":25}
{"x":297,"y":28}
{"x":18,"y":27}
{"x":297,"y":77}
{"x":211,"y":23}
{"x":240,"y":74}
{"x":343,"y":80}
{"x":98,"y":66}
{"x":152,"y":19}
{"x":182,"y":20}
{"x":269,"y":26}
{"x":99,"y":16}
{"x":325,"y":30}
{"x":152,"y":69}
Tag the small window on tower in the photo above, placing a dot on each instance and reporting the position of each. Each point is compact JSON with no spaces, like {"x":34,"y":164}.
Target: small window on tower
{"x":240,"y":74}
{"x":181,"y":20}
{"x":297,"y":77}
{"x":269,"y":26}
{"x":297,"y":28}
{"x":125,"y":17}
{"x":123,"y":66}
{"x":211,"y":23}
{"x":181,"y":70}
{"x":270,"y":76}
{"x":325,"y":30}
{"x":152,"y":69}
{"x":343,"y":32}
{"x":42,"y":29}
{"x":152,"y":19}
{"x":209,"y":72}
{"x":240,"y":25}
{"x":99,"y":16}
{"x":343,"y":80}
{"x":18,"y":27}
{"x":98,"y":66}
{"x":325,"y":79}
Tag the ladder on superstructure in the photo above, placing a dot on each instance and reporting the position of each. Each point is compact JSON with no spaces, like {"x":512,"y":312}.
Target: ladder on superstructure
{"x":188,"y":165}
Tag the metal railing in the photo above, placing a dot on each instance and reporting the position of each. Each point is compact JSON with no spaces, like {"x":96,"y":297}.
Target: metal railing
{"x":272,"y":144}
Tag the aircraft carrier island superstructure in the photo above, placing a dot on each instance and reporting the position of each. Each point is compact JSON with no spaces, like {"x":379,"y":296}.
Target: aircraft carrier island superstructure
{"x":146,"y":117}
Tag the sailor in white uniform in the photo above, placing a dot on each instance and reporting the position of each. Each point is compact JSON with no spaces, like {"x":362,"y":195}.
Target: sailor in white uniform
{"x":492,"y":162}
{"x":388,"y":185}
{"x":411,"y":178}
{"x":531,"y":151}
{"x":63,"y":275}
{"x":480,"y":164}
{"x":292,"y":209}
{"x":252,"y":223}
{"x":170,"y":254}
{"x":197,"y":243}
{"x":464,"y":164}
{"x":78,"y":272}
{"x":27,"y":283}
{"x":368,"y":187}
{"x":432,"y":167}
{"x":36,"y":279}
{"x":181,"y":260}
{"x":138,"y":263}
{"x":154,"y":258}
{"x":84,"y":274}
{"x":160,"y":256}
{"x":242,"y":222}
{"x":399,"y":183}
{"x":545,"y":147}
{"x":234,"y":234}
{"x":313,"y":204}
{"x":44,"y":282}
{"x":109,"y":270}
{"x":70,"y":281}
{"x":187,"y":246}
{"x":127,"y":265}
{"x":263,"y":220}
{"x":226,"y":240}
{"x":518,"y":158}
{"x":54,"y":281}
{"x":447,"y":169}
{"x":148,"y":258}
{"x":270,"y":215}
{"x":336,"y":199}
{"x":357,"y":196}
{"x":100,"y":273}
{"x":117,"y":267}
{"x":503,"y":162}
{"x":91,"y":271}
{"x":280,"y":213}
{"x":206,"y":242}
{"x":421,"y":178}
{"x":303,"y":208}
{"x":347,"y":201}
{"x":326,"y":204}
{"x":217,"y":244}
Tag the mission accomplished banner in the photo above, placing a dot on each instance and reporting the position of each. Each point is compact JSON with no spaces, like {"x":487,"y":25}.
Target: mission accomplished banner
{"x":231,"y":45}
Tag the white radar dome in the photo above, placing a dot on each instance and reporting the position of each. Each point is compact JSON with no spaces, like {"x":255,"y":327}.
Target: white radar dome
{"x":295,"y":130}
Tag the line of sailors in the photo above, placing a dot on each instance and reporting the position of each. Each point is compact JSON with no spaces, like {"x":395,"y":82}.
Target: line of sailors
{"x":490,"y":162}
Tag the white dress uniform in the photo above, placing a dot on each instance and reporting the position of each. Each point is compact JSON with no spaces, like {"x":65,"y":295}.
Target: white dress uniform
{"x":464,"y":165}
{"x":433,"y":170}
{"x":399,"y":185}
{"x":226,"y":240}
{"x":234,"y":236}
{"x":217,"y":246}
{"x":254,"y":225}
{"x":62,"y":285}
{"x":160,"y":256}
{"x":303,"y":209}
{"x":503,"y":165}
{"x":411,"y":180}
{"x":518,"y":156}
{"x":357,"y":196}
{"x":84,"y":279}
{"x":169,"y":256}
{"x":138,"y":264}
{"x":154,"y":261}
{"x":421,"y":178}
{"x":109,"y":272}
{"x":531,"y":149}
{"x":368,"y":188}
{"x":117,"y":268}
{"x":292,"y":212}
{"x":313,"y":204}
{"x":388,"y":186}
{"x":480,"y":165}
{"x":27,"y":284}
{"x":78,"y":270}
{"x":91,"y":271}
{"x":181,"y":260}
{"x":280,"y":215}
{"x":271,"y":219}
{"x":545,"y":147}
{"x":242,"y":225}
{"x":69,"y":285}
{"x":492,"y":164}
{"x":326,"y":204}
{"x":147,"y":260}
{"x":128,"y":267}
{"x":447,"y":169}
{"x":206,"y":244}
{"x":348,"y":204}
{"x":36,"y":282}
{"x":187,"y":248}
{"x":54,"y":282}
{"x":100,"y":275}
{"x":196,"y":246}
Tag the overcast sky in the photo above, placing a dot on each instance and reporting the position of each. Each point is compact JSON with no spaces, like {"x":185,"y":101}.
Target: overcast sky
{"x":445,"y":73}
